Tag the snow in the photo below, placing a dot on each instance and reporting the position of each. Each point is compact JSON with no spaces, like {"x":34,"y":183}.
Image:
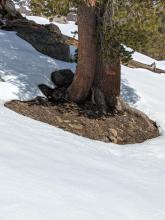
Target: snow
{"x":147,"y":60}
{"x":24,"y":67}
{"x":150,"y":88}
{"x":22,"y":4}
{"x":47,"y":174}
{"x":38,"y":19}
{"x":67,"y":29}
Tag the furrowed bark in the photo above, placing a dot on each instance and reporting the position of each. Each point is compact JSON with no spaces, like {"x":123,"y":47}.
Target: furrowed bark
{"x":106,"y":86}
{"x":93,"y":72}
{"x":79,"y":89}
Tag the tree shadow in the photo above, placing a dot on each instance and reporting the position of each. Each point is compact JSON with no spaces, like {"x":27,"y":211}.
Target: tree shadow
{"x":23,"y":66}
{"x":128,"y":93}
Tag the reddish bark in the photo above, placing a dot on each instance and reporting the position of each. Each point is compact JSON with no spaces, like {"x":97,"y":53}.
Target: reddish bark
{"x":93,"y":72}
{"x":106,"y":86}
{"x":82,"y":83}
{"x":8,"y":10}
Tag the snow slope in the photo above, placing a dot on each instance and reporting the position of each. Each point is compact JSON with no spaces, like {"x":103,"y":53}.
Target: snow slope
{"x":67,"y":29}
{"x":148,"y":60}
{"x":24,"y":67}
{"x":49,"y":174}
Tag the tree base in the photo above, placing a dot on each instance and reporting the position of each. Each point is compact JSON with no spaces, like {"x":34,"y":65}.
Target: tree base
{"x":127,"y":126}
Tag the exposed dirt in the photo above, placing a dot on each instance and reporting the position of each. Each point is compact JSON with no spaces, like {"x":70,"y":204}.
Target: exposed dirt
{"x":122,"y":128}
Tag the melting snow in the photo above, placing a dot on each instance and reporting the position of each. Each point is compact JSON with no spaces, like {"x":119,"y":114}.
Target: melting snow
{"x":48,"y":174}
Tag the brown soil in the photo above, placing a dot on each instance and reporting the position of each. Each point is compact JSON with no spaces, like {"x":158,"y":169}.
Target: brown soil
{"x":122,"y":128}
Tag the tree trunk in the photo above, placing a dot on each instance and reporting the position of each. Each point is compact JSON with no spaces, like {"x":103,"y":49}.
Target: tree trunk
{"x":2,"y":6}
{"x":8,"y":10}
{"x":106,"y":85}
{"x":93,"y":72}
{"x":82,"y":83}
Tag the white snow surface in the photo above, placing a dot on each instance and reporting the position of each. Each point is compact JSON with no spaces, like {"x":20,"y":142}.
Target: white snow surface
{"x":49,"y":174}
{"x":67,"y":29}
{"x":148,"y":60}
{"x":24,"y":67}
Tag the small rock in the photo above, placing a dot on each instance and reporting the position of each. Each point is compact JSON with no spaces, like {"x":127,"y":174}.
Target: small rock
{"x":113,"y":131}
{"x":59,"y":19}
{"x":59,"y":94}
{"x":59,"y":119}
{"x":53,"y":28}
{"x":77,"y":127}
{"x":46,"y":90}
{"x":72,"y":16}
{"x":119,"y":140}
{"x":114,"y":139}
{"x":62,"y":77}
{"x":67,"y":121}
{"x":53,"y":95}
{"x":104,"y":139}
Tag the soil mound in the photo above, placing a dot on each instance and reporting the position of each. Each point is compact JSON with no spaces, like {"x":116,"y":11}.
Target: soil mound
{"x":126,"y":127}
